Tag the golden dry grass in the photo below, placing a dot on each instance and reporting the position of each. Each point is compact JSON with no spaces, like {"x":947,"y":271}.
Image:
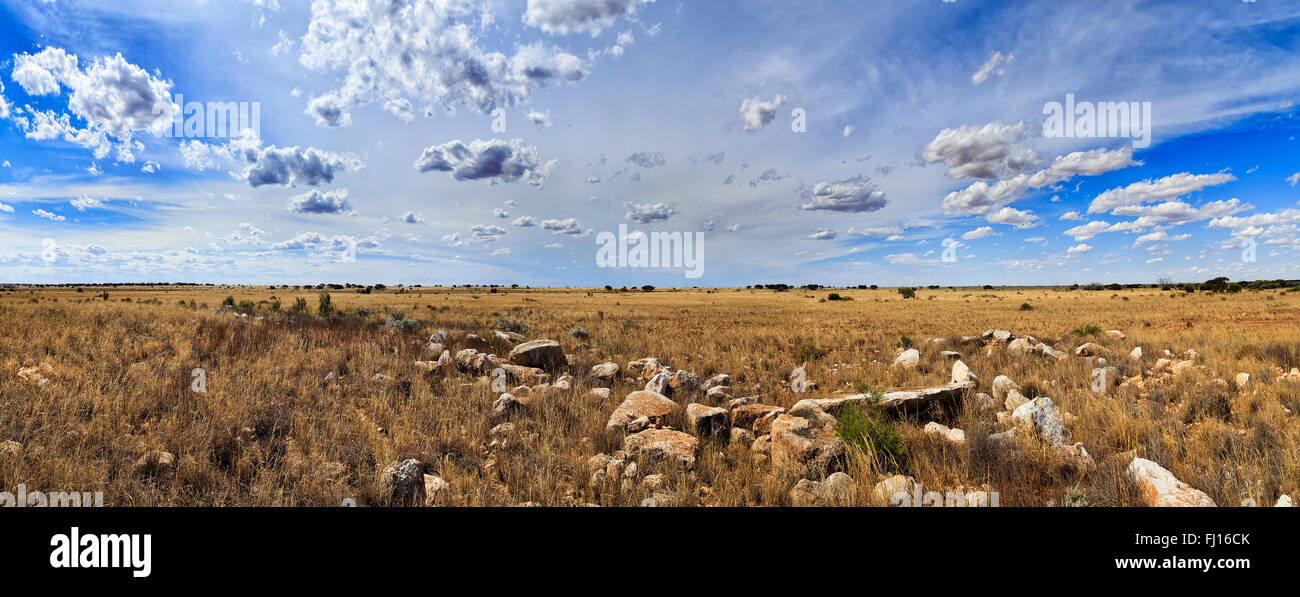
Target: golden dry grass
{"x":270,"y":431}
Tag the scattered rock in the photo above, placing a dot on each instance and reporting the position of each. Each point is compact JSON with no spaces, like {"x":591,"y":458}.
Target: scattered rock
{"x":656,"y":408}
{"x":1243,"y":378}
{"x":885,"y":491}
{"x":953,"y":436}
{"x":1089,"y":349}
{"x":746,"y":415}
{"x":1014,"y":400}
{"x":1115,"y":335}
{"x":434,"y":488}
{"x":962,"y":374}
{"x":837,"y":490}
{"x":706,"y":422}
{"x":718,"y":393}
{"x":543,"y":354}
{"x":507,"y":405}
{"x":604,"y":372}
{"x":1160,"y":488}
{"x":1001,"y":386}
{"x":741,"y":437}
{"x":1284,"y":502}
{"x":798,"y":442}
{"x":908,"y":359}
{"x":1136,"y":354}
{"x":1042,"y":415}
{"x":659,"y":385}
{"x":602,"y":393}
{"x":402,"y":483}
{"x":950,"y":354}
{"x":719,"y":380}
{"x":657,"y":445}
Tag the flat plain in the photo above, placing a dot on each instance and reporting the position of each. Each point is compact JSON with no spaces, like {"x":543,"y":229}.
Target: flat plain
{"x":97,"y":393}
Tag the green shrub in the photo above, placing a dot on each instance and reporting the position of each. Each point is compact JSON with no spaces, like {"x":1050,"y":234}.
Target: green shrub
{"x":904,"y":342}
{"x":808,"y":351}
{"x":512,"y":325}
{"x":299,"y":305}
{"x":579,"y":333}
{"x":863,"y":427}
{"x":325,"y":308}
{"x":907,"y":292}
{"x":398,"y":321}
{"x":835,"y":296}
{"x":1091,"y":329}
{"x":1075,"y":498}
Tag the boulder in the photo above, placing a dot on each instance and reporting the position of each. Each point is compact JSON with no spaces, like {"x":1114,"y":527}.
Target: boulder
{"x":745,"y":415}
{"x":435,"y":490}
{"x":706,"y":422}
{"x":885,"y":491}
{"x":1284,"y":502}
{"x":741,"y":437}
{"x":1042,"y":415}
{"x":602,"y":393}
{"x":797,"y":442}
{"x":998,"y":335}
{"x":683,"y":381}
{"x":962,"y":374}
{"x":1001,"y":385}
{"x":718,"y":393}
{"x":542,"y":354}
{"x":1243,"y":378}
{"x":1014,"y":400}
{"x":1136,"y":354}
{"x":837,"y":490}
{"x":507,"y":405}
{"x":908,"y":359}
{"x":508,"y":337}
{"x":659,"y":384}
{"x":719,"y":380}
{"x":519,"y":374}
{"x":956,"y":437}
{"x":1115,"y":335}
{"x":1089,"y":349}
{"x":1159,"y":487}
{"x":604,"y":372}
{"x":656,"y":408}
{"x":662,"y":445}
{"x":402,"y":483}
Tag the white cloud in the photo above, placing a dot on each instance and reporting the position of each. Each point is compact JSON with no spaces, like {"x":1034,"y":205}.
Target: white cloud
{"x":316,"y":202}
{"x":49,"y":216}
{"x":856,"y":195}
{"x":492,"y":160}
{"x":756,"y":113}
{"x":996,"y":64}
{"x":978,"y":233}
{"x":85,"y":202}
{"x":1147,"y":191}
{"x":1014,"y":217}
{"x":981,"y":152}
{"x":577,"y":16}
{"x":823,"y":234}
{"x":568,"y":226}
{"x":644,"y":213}
{"x":1078,"y":249}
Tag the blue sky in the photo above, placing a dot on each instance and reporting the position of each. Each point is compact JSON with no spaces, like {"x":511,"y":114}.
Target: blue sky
{"x":450,"y":141}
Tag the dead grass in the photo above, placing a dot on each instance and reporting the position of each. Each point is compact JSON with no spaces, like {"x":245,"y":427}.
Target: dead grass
{"x":270,"y":431}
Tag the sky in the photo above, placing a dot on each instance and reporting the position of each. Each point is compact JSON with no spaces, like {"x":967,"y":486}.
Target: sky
{"x":910,"y":142}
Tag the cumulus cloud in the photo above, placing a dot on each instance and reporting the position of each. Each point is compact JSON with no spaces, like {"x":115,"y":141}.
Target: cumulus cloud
{"x":756,"y":113}
{"x":1089,"y":230}
{"x":1071,"y":215}
{"x":487,"y":233}
{"x":411,"y":217}
{"x":49,"y":216}
{"x":540,"y":119}
{"x":116,"y":100}
{"x":396,"y":52}
{"x":316,"y":202}
{"x":291,"y":166}
{"x":981,"y":197}
{"x":85,"y":202}
{"x":644,"y":213}
{"x":577,"y":16}
{"x":823,"y":234}
{"x":857,"y":194}
{"x":1020,"y":219}
{"x":981,"y":152}
{"x":524,"y":222}
{"x":492,"y":160}
{"x":568,"y":226}
{"x":1148,"y":191}
{"x":978,"y":233}
{"x":1078,"y":249}
{"x":1159,"y":236}
{"x":996,"y":64}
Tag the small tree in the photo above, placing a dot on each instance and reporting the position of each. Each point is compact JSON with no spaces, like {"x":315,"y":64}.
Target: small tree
{"x":907,"y":292}
{"x":325,"y":309}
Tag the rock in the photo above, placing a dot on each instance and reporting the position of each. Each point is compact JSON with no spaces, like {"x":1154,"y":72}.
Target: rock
{"x":519,"y":374}
{"x":719,"y":380}
{"x":543,"y":354}
{"x":473,"y":362}
{"x":1183,"y":367}
{"x":1001,"y":385}
{"x":1243,"y":378}
{"x":998,"y":335}
{"x":434,"y":350}
{"x":1159,"y":487}
{"x":950,"y":354}
{"x":885,"y":491}
{"x":502,"y":431}
{"x":1089,"y":349}
{"x":1104,"y":378}
{"x":509,"y":337}
{"x":604,"y":372}
{"x":956,"y":437}
{"x":741,"y":437}
{"x":706,"y":422}
{"x":656,"y":408}
{"x":602,"y":393}
{"x":434,"y":489}
{"x":837,"y":490}
{"x":507,"y":405}
{"x":734,"y":402}
{"x":1284,"y":502}
{"x":402,"y":483}
{"x":683,"y":381}
{"x":648,"y":367}
{"x":1005,"y":440}
{"x":659,"y":385}
{"x":908,"y":359}
{"x":962,"y":374}
{"x":984,"y":403}
{"x":474,"y":342}
{"x":1042,"y":415}
{"x":331,"y":376}
{"x":564,"y":383}
{"x":796,"y":442}
{"x":1136,"y":354}
{"x":658,"y":445}
{"x":442,"y":337}
{"x":718,"y":393}
{"x":744,"y":416}
{"x":891,"y":403}
{"x":1075,"y":454}
{"x":155,"y":463}
{"x":1014,"y":400}
{"x":1115,"y":335}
